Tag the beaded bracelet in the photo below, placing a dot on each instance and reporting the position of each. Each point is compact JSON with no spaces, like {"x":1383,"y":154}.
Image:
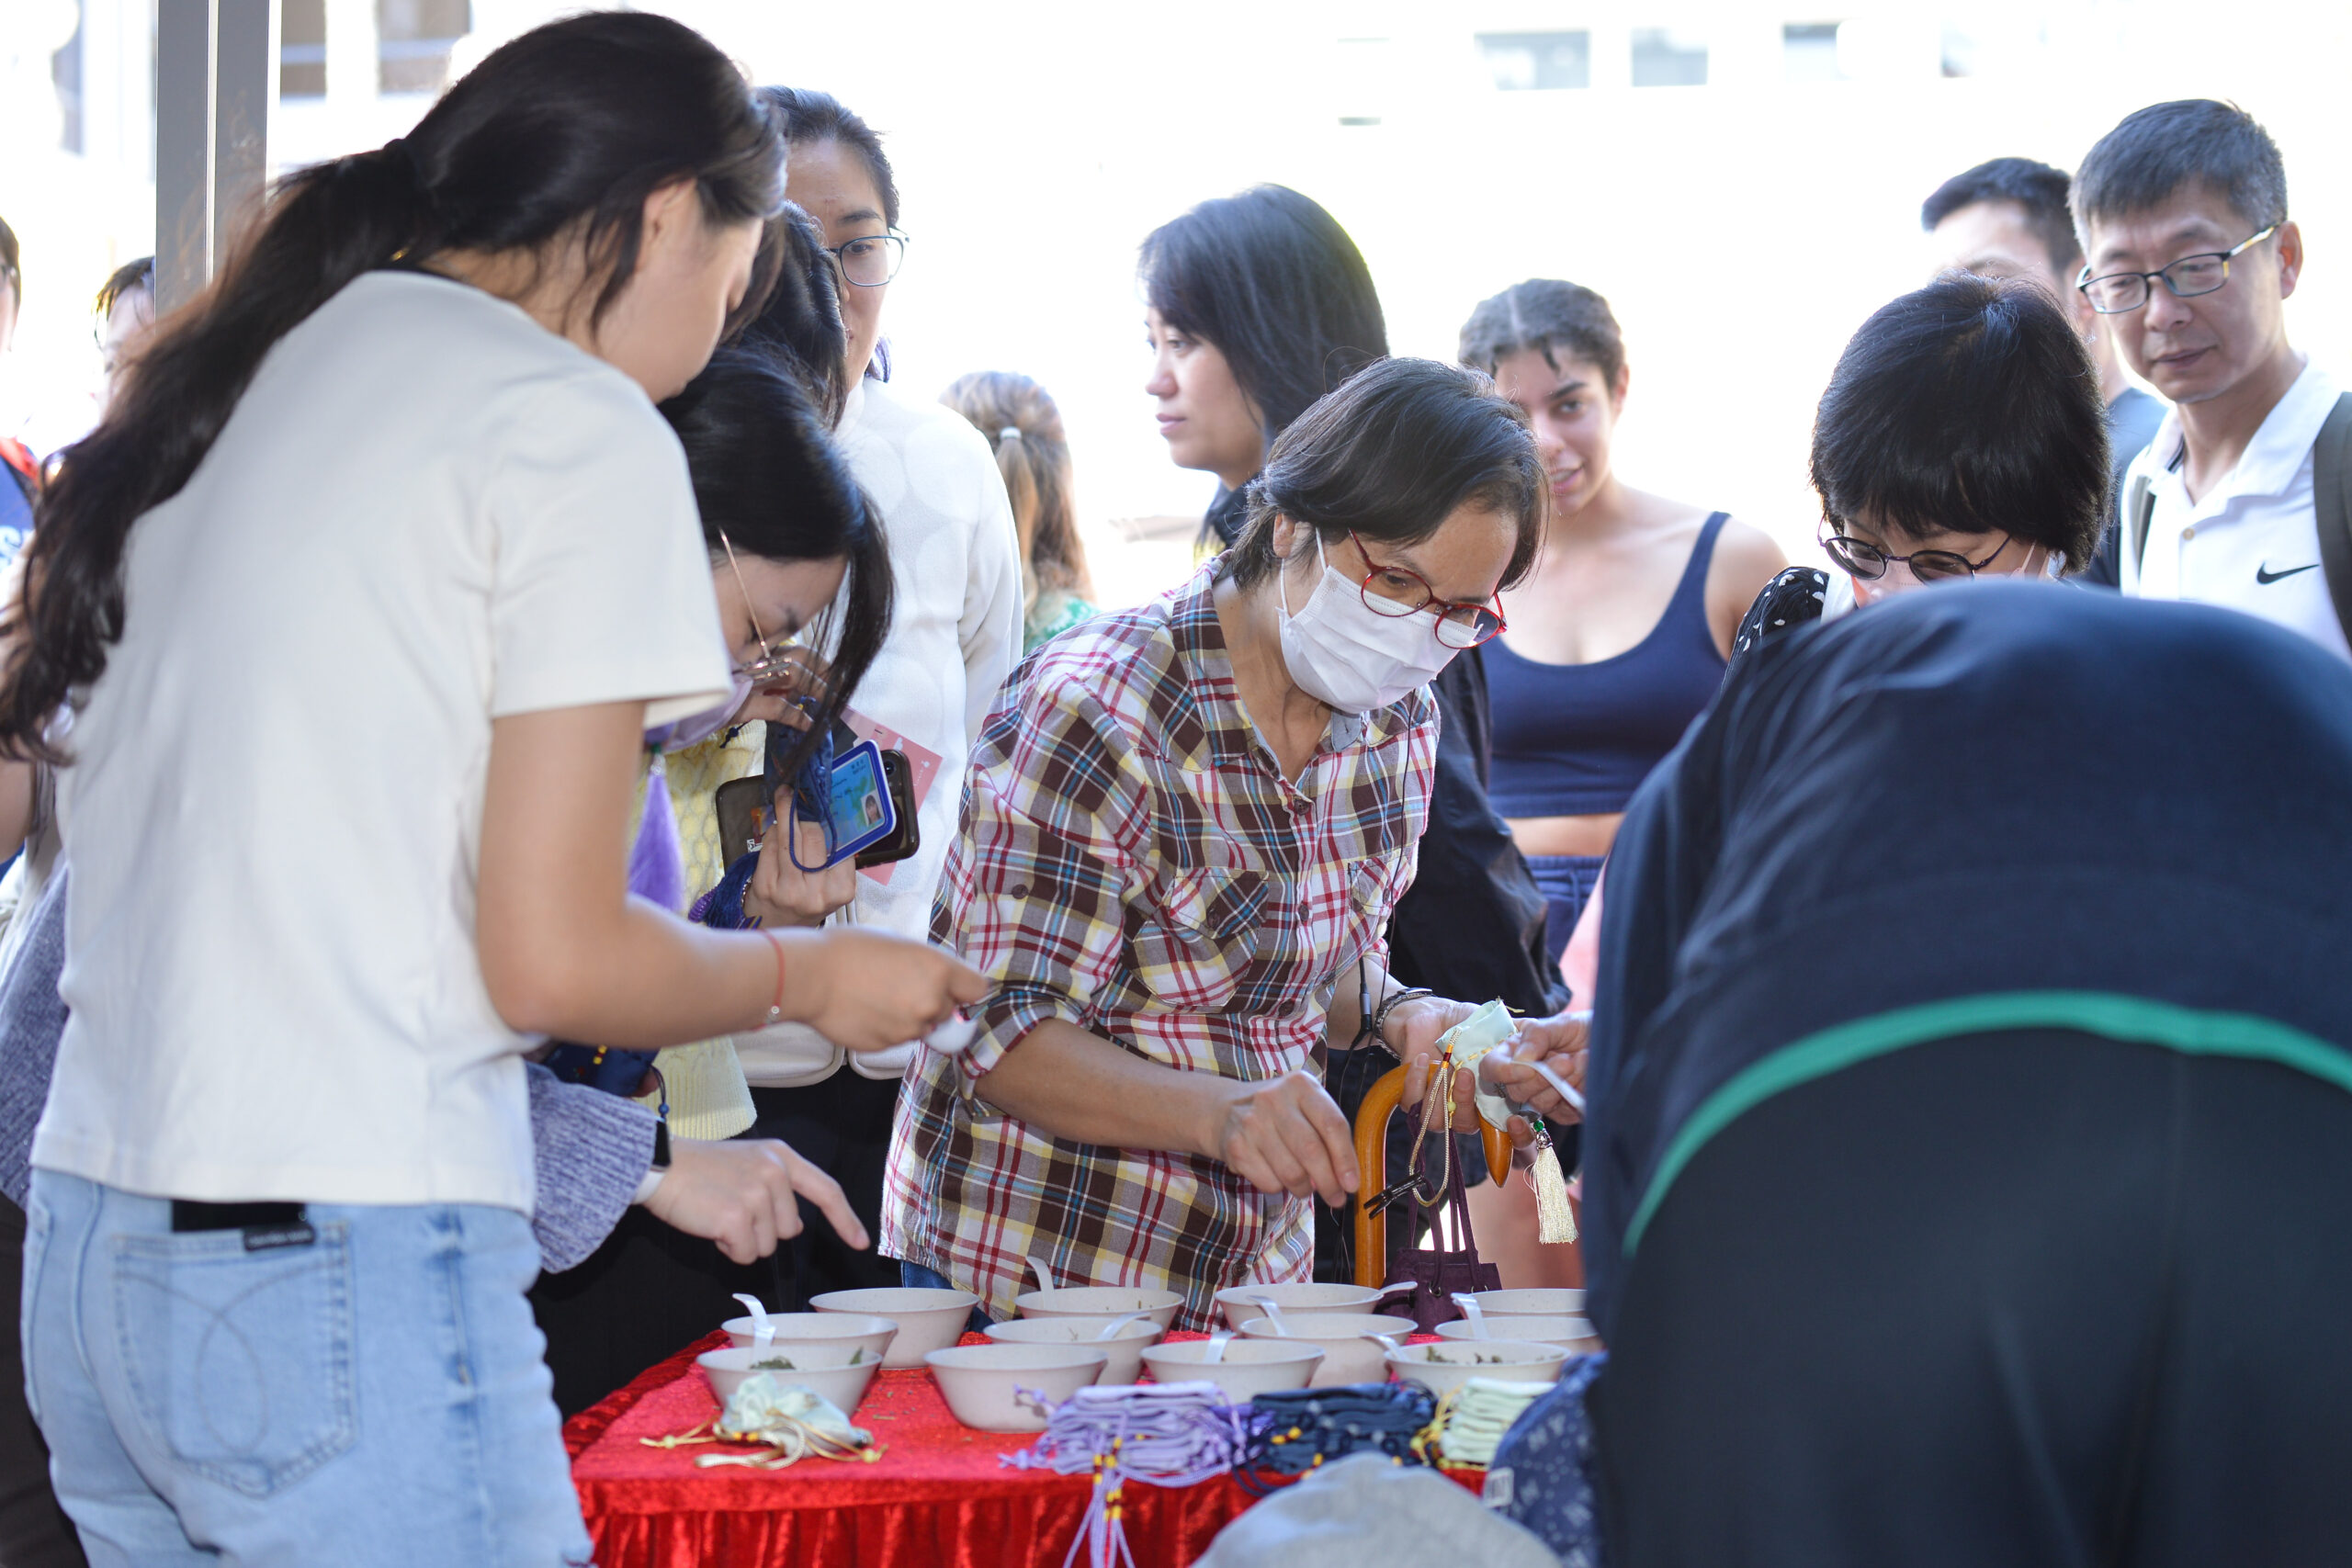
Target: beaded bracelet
{"x":1389,"y":1004}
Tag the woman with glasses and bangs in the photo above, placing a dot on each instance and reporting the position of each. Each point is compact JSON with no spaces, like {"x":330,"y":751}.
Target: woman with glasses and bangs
{"x":797,"y":559}
{"x":1258,"y":305}
{"x":768,"y":477}
{"x":1936,"y":454}
{"x":954,"y":635}
{"x":1184,"y":830}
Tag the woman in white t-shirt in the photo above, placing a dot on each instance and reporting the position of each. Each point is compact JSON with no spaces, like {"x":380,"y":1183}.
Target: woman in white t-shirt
{"x":365,"y":593}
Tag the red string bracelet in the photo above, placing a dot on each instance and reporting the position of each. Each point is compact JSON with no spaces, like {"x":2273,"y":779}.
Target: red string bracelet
{"x":776,"y":1007}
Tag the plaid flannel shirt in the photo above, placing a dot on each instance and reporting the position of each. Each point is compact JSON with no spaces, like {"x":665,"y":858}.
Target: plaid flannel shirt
{"x":1132,"y":860}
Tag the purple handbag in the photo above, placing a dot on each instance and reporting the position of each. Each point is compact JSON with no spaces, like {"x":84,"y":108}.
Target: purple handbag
{"x":1434,"y":1274}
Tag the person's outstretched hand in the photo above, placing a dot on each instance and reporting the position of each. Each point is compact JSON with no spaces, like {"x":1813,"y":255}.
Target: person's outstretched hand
{"x":746,"y":1196}
{"x":1284,"y":1135}
{"x":1559,"y":1043}
{"x":780,"y":894}
{"x":868,"y":990}
{"x":1415,"y":1029}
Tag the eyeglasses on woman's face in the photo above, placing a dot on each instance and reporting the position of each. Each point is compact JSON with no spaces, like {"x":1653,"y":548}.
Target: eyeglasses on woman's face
{"x":780,"y":660}
{"x":2118,"y":293}
{"x":1868,"y":562}
{"x":1397,"y":591}
{"x":871,"y":260}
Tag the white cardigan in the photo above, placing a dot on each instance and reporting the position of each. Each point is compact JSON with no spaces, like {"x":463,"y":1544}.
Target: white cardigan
{"x":954,"y":635}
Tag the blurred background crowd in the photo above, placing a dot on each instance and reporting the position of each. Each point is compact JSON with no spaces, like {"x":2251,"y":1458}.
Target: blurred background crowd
{"x":1741,"y":180}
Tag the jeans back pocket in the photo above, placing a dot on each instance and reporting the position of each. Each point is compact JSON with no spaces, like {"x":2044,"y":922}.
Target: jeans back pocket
{"x":239,"y":1362}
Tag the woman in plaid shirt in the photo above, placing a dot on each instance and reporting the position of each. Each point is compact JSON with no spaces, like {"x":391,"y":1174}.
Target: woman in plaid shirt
{"x":1183,"y":830}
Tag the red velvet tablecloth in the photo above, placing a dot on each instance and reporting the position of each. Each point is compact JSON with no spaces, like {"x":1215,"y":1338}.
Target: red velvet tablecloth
{"x":937,"y":1498}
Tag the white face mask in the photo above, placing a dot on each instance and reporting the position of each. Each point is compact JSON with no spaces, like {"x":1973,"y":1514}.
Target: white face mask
{"x":697,"y":727}
{"x":1343,"y":652}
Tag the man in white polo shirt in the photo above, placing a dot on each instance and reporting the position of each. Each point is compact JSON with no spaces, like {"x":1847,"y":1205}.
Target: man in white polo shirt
{"x":2190,"y":257}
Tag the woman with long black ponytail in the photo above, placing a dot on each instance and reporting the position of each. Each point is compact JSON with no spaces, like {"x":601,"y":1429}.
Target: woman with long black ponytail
{"x":348,"y":624}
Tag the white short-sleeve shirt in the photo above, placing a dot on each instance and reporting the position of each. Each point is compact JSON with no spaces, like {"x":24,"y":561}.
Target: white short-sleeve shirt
{"x":2251,"y":542}
{"x":426,"y":513}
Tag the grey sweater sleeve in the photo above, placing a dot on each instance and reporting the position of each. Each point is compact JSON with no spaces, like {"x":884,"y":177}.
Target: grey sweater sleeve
{"x":32,"y":1018}
{"x":591,"y":1149}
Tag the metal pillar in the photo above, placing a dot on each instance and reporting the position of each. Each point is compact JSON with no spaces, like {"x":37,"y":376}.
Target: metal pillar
{"x":212,"y":97}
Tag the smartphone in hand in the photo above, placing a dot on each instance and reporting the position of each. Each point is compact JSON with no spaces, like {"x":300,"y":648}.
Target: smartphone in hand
{"x":864,"y":806}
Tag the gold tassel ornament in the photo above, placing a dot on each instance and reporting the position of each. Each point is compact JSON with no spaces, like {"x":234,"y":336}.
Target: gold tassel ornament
{"x":1489,"y":1028}
{"x":1555,"y":1222}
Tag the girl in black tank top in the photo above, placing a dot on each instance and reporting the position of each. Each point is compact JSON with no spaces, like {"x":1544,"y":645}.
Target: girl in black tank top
{"x":1591,"y":687}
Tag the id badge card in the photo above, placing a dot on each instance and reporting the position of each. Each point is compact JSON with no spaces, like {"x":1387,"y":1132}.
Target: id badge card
{"x":859,"y":809}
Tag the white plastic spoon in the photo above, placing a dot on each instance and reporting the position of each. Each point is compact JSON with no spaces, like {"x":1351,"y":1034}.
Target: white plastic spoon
{"x":1560,"y":1086}
{"x":1037,"y":1266}
{"x":1474,"y":1312}
{"x":1217,"y":1342}
{"x":763,"y":1330}
{"x":1111,"y":1329}
{"x":1273,"y":1315}
{"x":1391,"y":1290}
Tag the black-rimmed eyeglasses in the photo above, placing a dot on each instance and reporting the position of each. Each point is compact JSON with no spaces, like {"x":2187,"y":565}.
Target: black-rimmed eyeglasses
{"x":1861,"y":558}
{"x":2119,"y":292}
{"x":872,"y":261}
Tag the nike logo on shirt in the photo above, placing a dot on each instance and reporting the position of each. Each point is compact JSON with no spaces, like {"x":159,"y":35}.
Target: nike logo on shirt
{"x":2265,"y":577}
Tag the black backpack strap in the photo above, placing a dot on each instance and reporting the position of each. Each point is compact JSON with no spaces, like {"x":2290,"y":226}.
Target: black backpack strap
{"x":2138,"y":510}
{"x":2332,"y":506}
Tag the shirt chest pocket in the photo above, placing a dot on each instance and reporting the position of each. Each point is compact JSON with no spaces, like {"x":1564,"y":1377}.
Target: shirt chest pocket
{"x":1371,"y":894}
{"x":1198,"y":934}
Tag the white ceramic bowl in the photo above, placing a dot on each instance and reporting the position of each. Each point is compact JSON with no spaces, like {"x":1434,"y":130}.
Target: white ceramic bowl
{"x":1248,"y":1369}
{"x":928,"y":1320}
{"x":1441,"y":1366}
{"x":1126,"y":1350}
{"x":1530,"y":1303}
{"x":830,"y":1370}
{"x":1350,"y":1355}
{"x":1241,"y":1302}
{"x":843,"y":1328}
{"x":980,"y":1380}
{"x":1101,"y":1303}
{"x":1572,"y":1334}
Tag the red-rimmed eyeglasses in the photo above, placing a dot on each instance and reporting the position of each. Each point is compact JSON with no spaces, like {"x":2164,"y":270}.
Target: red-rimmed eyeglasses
{"x":1397,"y":591}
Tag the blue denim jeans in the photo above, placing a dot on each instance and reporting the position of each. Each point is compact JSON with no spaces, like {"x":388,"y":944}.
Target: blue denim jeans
{"x":377,"y":1394}
{"x":1567,"y":883}
{"x":915,"y":1277}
